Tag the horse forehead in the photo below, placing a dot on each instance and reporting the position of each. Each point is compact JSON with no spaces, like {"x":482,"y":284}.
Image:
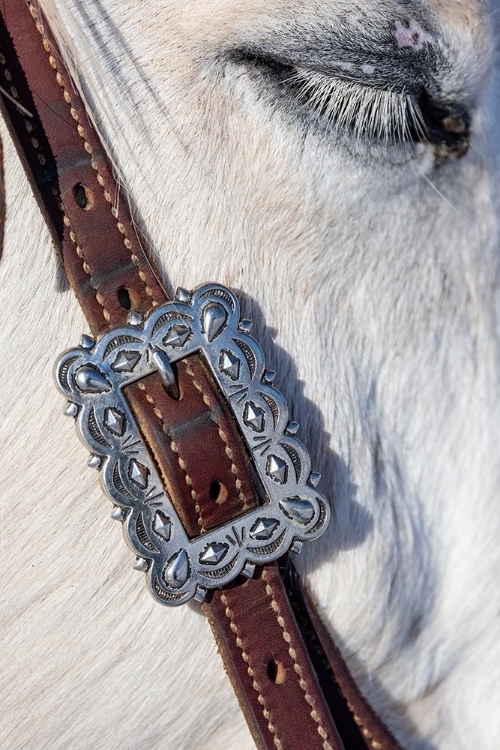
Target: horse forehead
{"x":459,"y":30}
{"x":362,"y":13}
{"x":218,"y":18}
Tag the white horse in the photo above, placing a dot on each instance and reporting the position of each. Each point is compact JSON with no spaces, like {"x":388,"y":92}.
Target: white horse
{"x":277,"y":147}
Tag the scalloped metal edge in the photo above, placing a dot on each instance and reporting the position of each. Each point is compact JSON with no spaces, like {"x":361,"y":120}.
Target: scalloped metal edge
{"x":92,"y":377}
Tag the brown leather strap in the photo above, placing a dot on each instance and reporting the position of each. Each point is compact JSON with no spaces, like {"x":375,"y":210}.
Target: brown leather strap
{"x":287,"y":674}
{"x":71,"y":176}
{"x":358,"y":724}
{"x":193,"y":438}
{"x":205,"y":466}
{"x":253,"y":623}
{"x":269,"y":666}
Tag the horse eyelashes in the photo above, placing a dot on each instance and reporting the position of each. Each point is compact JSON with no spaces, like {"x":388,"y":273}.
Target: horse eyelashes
{"x":365,"y":111}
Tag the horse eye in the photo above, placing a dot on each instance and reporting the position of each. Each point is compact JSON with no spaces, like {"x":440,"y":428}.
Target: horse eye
{"x":382,"y":99}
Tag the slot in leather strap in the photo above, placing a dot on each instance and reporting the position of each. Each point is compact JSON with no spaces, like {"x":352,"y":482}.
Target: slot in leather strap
{"x":288,"y":676}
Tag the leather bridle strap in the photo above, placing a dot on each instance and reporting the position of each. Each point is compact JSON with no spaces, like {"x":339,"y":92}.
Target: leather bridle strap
{"x":70,"y":174}
{"x":288,"y":676}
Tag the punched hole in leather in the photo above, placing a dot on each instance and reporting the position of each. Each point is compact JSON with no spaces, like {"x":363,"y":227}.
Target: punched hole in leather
{"x":218,"y":492}
{"x":276,"y":672}
{"x":128,"y":298}
{"x":83,"y":195}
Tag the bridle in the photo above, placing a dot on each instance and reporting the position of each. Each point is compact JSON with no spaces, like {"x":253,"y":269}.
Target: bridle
{"x":193,"y":443}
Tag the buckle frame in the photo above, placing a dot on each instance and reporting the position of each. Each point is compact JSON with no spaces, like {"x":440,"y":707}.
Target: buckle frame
{"x":92,"y":377}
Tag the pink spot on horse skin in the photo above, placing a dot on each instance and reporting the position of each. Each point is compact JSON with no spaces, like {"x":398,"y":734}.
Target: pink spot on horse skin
{"x":365,"y":68}
{"x":412,"y":36}
{"x":346,"y":65}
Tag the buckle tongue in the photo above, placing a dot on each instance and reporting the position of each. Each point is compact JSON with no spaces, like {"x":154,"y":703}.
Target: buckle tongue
{"x":93,"y":378}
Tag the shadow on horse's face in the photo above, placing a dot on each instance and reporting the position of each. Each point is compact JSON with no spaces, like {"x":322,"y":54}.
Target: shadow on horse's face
{"x":333,"y":163}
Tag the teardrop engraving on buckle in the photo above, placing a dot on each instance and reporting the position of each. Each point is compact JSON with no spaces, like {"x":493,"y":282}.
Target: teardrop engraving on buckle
{"x":93,"y":378}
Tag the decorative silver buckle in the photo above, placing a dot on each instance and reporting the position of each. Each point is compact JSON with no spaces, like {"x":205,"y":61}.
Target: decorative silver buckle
{"x":92,"y":377}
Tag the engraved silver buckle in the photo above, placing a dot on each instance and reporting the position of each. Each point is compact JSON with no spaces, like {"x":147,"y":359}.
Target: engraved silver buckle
{"x":92,"y":377}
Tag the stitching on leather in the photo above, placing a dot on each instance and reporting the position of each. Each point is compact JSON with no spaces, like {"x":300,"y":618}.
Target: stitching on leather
{"x":296,"y":666}
{"x":175,"y":449}
{"x":244,"y":655}
{"x":29,"y":127}
{"x":55,"y":192}
{"x":88,"y":149}
{"x":365,"y":731}
{"x":229,"y":452}
{"x":79,"y":251}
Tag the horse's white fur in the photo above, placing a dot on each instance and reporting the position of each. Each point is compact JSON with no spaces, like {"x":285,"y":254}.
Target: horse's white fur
{"x":377,"y":275}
